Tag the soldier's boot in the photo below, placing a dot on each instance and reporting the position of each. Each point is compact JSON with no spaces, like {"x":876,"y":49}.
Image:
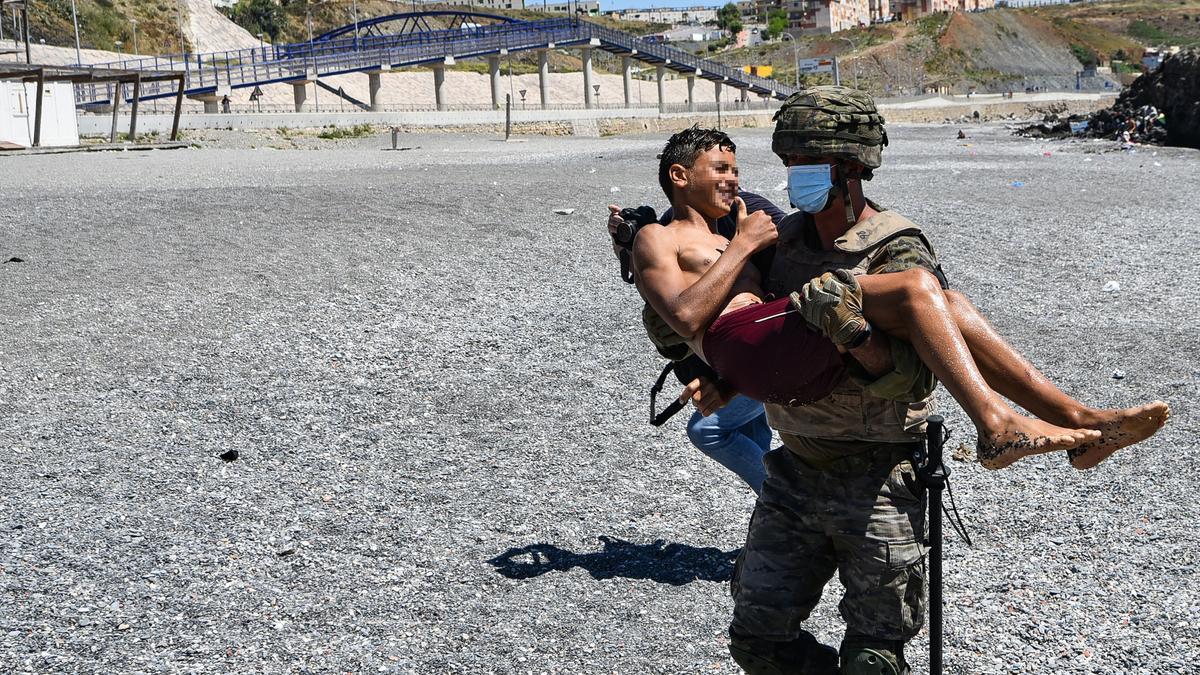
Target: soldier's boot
{"x":832,"y":304}
{"x":802,"y":656}
{"x":873,"y":657}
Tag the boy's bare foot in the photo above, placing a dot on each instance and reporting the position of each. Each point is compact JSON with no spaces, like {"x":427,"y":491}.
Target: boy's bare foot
{"x":1024,"y":436}
{"x":1119,"y":428}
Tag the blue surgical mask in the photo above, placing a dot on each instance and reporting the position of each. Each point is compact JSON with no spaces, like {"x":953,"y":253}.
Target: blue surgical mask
{"x":808,"y":186}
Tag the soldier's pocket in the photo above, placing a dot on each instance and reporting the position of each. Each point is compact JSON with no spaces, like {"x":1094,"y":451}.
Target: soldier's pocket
{"x":905,"y":487}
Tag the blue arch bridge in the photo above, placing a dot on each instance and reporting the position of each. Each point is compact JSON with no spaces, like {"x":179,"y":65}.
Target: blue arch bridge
{"x":377,"y":45}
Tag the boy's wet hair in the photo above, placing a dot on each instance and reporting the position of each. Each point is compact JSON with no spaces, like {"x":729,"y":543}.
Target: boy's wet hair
{"x":684,"y":147}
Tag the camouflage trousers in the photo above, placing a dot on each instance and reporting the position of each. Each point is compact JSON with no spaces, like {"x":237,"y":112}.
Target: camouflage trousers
{"x":862,"y":517}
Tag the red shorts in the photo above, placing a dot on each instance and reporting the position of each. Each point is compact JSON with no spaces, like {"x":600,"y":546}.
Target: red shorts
{"x":769,"y":353}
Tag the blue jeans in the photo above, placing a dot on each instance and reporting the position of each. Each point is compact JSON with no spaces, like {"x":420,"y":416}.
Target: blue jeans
{"x":737,"y":437}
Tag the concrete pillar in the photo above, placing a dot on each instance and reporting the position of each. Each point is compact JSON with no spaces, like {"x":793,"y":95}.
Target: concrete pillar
{"x":374,"y":83}
{"x":543,"y":76}
{"x":494,"y":74}
{"x":439,"y":85}
{"x":717,"y":92}
{"x":659,"y":71}
{"x":299,"y":95}
{"x":212,"y":101}
{"x":691,"y":93}
{"x":745,"y":95}
{"x":588,"y":101}
{"x":626,"y":79}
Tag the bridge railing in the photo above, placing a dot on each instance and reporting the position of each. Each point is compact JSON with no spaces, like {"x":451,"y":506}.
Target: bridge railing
{"x":296,"y":62}
{"x":679,"y":56}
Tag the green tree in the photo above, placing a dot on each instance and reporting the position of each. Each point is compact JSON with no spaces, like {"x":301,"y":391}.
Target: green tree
{"x":728,"y":17}
{"x":777,"y":22}
{"x":1086,"y":56}
{"x":259,"y":16}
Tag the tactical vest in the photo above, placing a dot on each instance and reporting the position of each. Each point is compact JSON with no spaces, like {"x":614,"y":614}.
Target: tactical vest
{"x":848,"y":413}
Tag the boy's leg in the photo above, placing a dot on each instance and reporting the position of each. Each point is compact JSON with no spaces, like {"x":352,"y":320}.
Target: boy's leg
{"x":1010,"y":374}
{"x":722,"y":436}
{"x":912,"y":306}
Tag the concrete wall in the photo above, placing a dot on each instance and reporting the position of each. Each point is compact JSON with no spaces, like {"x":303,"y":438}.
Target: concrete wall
{"x":90,"y":125}
{"x":564,"y":122}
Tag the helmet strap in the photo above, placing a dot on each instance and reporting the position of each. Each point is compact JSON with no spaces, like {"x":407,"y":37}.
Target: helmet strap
{"x":844,"y":186}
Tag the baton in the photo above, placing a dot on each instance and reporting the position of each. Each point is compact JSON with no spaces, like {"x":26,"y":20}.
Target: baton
{"x":933,"y":474}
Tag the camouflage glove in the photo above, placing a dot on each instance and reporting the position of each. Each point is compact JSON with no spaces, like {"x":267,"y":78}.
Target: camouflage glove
{"x":832,"y":305}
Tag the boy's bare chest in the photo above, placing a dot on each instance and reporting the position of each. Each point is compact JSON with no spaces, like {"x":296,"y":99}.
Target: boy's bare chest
{"x":697,"y":253}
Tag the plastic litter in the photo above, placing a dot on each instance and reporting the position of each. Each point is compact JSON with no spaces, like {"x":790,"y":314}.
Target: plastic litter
{"x":1118,"y":375}
{"x":1018,"y":183}
{"x":1158,"y":164}
{"x":782,"y":187}
{"x":564,"y":212}
{"x":1112,"y":286}
{"x":614,"y":189}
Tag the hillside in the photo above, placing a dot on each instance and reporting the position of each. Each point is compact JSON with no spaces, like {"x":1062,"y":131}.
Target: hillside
{"x":104,"y":22}
{"x":989,"y":51}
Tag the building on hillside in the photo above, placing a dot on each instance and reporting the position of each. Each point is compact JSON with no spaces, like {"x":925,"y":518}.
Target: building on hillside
{"x":880,"y":10}
{"x":827,"y":16}
{"x":482,"y":4}
{"x":671,"y":15}
{"x":588,"y":7}
{"x":975,"y":5}
{"x":748,"y":9}
{"x":911,"y":9}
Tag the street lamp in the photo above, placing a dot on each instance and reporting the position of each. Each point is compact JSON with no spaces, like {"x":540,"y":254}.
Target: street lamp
{"x":118,"y":44}
{"x":75,"y":21}
{"x":795,"y":52}
{"x":853,"y":47}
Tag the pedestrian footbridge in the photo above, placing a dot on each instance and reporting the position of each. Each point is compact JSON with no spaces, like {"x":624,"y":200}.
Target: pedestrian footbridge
{"x":377,"y":45}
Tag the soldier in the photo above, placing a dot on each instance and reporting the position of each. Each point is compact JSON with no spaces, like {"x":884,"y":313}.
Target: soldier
{"x":843,"y":496}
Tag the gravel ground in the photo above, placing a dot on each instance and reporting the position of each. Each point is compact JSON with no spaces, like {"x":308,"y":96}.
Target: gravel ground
{"x":435,"y":390}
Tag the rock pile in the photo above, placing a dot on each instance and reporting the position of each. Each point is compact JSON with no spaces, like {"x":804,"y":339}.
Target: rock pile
{"x":1160,"y":108}
{"x":1172,"y":91}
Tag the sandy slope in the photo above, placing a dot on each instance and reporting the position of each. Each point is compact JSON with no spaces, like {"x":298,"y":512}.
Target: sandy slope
{"x":209,"y":30}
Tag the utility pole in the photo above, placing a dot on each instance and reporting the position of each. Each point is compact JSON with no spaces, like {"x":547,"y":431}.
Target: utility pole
{"x":795,"y":52}
{"x":25,"y":28}
{"x":312,"y":54}
{"x":135,"y":47}
{"x":75,"y":21}
{"x":179,"y":20}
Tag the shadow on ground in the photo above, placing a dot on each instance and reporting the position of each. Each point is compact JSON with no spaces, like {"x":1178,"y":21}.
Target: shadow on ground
{"x":662,"y":562}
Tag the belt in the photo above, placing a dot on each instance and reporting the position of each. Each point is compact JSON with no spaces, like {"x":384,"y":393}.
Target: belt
{"x":883,"y":458}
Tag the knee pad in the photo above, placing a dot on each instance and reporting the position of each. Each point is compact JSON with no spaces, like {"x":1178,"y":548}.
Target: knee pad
{"x":873,"y":658}
{"x":802,"y":656}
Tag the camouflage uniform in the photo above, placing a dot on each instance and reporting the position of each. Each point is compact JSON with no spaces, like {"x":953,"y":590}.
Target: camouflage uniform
{"x":842,"y":496}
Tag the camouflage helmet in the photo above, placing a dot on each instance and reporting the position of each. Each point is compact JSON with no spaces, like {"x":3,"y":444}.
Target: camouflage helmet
{"x":831,"y":121}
